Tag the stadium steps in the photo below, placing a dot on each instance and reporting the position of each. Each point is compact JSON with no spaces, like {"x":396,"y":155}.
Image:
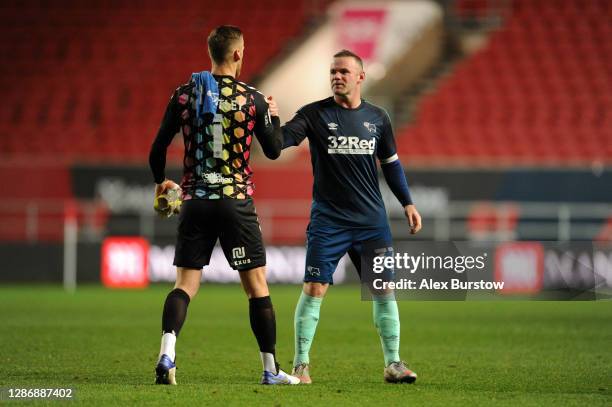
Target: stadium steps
{"x":406,"y":104}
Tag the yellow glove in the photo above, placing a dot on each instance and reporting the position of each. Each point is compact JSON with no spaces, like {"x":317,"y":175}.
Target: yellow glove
{"x":168,"y":203}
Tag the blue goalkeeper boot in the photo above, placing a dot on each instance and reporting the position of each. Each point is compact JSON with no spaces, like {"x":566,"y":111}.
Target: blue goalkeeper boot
{"x":278,"y":378}
{"x":165,"y":371}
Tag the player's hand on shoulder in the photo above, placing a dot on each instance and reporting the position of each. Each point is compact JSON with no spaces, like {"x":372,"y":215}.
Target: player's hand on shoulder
{"x":272,"y":106}
{"x":414,"y":218}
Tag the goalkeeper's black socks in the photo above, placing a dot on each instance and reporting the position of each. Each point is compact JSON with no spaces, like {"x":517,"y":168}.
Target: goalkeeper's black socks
{"x":175,"y":311}
{"x":173,"y":317}
{"x":263,"y":324}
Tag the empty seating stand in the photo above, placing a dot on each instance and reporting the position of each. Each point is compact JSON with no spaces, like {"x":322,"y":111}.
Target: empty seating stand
{"x":90,"y":80}
{"x":540,"y":92}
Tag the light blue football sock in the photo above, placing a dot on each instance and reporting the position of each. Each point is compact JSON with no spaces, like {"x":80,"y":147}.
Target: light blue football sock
{"x":305,"y":325}
{"x":386,"y":320}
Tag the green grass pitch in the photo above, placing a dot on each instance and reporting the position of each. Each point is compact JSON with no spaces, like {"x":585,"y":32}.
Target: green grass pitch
{"x":104,"y":344}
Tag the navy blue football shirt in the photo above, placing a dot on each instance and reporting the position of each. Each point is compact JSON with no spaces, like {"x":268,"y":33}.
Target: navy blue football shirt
{"x":344,"y":145}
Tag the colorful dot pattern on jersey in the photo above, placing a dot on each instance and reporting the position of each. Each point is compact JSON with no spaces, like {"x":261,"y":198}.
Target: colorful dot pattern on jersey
{"x":225,"y":174}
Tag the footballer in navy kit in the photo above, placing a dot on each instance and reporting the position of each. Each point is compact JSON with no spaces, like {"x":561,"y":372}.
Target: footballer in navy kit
{"x":347,"y":135}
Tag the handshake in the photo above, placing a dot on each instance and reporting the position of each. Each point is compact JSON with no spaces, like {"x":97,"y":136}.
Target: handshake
{"x":167,"y":199}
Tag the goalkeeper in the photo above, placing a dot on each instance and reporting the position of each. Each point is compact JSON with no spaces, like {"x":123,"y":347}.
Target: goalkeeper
{"x":346,"y":135}
{"x":218,"y":117}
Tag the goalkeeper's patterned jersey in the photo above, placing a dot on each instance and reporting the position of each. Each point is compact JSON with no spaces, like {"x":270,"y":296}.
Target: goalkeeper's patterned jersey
{"x":216,"y":160}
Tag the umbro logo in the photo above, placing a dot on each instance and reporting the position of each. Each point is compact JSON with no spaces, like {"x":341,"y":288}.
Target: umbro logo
{"x":332,"y":126}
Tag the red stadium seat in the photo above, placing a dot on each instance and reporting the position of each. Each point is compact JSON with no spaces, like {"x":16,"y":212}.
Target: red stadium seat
{"x":103,"y":72}
{"x":539,"y":91}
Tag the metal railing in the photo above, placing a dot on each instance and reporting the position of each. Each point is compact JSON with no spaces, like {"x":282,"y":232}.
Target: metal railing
{"x":284,"y":221}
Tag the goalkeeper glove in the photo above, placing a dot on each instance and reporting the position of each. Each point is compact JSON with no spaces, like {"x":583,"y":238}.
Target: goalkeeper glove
{"x":168,"y":203}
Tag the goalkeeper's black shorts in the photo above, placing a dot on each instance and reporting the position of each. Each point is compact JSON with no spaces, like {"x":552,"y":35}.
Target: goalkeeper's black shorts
{"x":233,"y":221}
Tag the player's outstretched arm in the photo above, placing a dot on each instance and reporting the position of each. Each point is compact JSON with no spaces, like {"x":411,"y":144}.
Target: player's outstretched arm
{"x":267,"y":126}
{"x":295,"y":130}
